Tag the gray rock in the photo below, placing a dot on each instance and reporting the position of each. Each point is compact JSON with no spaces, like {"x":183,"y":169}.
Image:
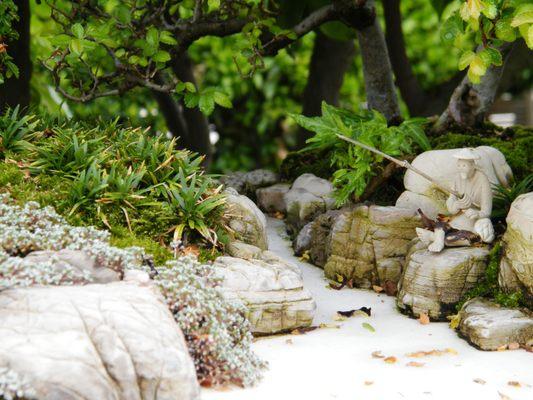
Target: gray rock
{"x":433,"y":283}
{"x":302,"y":242}
{"x":490,"y":326}
{"x":270,"y":288}
{"x":368,"y":244}
{"x":76,"y":259}
{"x":243,"y":250}
{"x":248,"y":182}
{"x":308,"y":197}
{"x":96,"y":342}
{"x":271,"y":199}
{"x":245,"y":219}
{"x":516,"y":267}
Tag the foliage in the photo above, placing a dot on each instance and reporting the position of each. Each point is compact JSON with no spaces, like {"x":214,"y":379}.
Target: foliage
{"x":504,"y":197}
{"x":216,"y":331}
{"x":118,"y":176}
{"x":8,"y":15}
{"x":14,"y":130}
{"x":354,"y":165}
{"x":488,"y":286}
{"x":491,"y":23}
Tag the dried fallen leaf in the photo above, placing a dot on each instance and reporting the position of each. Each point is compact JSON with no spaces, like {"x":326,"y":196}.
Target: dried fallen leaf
{"x":480,"y":381}
{"x":390,"y":288}
{"x":333,"y":285}
{"x":368,"y":327}
{"x":423,"y":319}
{"x":350,"y":313}
{"x":514,"y":383}
{"x":329,"y":326}
{"x":289,"y":341}
{"x":504,"y":396}
{"x":454,"y":321}
{"x":368,"y":383}
{"x":419,"y":354}
{"x":338,"y":317}
{"x":390,"y":360}
{"x":377,"y":289}
{"x":350,"y":283}
{"x":377,"y":354}
{"x":305,"y":256}
{"x":514,"y":346}
{"x":415,"y":364}
{"x":503,"y":347}
{"x":278,"y":215}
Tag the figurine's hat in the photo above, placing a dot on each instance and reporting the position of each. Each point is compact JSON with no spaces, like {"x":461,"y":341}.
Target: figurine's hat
{"x":467,"y":153}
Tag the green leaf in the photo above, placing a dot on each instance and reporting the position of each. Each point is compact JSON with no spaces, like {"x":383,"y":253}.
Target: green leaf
{"x":493,"y":55}
{"x":167,"y":38}
{"x":133,"y":59}
{"x":76,"y":46}
{"x":368,"y":327}
{"x":191,"y":100}
{"x":152,"y":37}
{"x":207,"y":103}
{"x":222,"y":99}
{"x":78,"y":31}
{"x":525,"y":17}
{"x":440,"y":5}
{"x":465,"y":59}
{"x":414,"y":129}
{"x":451,"y":28}
{"x":161,"y":56}
{"x":504,"y":30}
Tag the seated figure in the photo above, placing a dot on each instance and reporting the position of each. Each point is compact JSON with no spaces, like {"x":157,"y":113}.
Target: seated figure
{"x":470,"y":220}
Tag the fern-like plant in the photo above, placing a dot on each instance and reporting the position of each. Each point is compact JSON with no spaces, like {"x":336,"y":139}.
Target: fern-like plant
{"x":354,"y":166}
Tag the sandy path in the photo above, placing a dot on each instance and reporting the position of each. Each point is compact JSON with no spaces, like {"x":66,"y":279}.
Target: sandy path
{"x":334,"y":363}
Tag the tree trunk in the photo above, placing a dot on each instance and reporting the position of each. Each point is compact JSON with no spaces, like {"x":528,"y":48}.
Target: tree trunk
{"x":17,"y":91}
{"x":196,"y":123}
{"x":470,"y":103}
{"x":330,"y":60}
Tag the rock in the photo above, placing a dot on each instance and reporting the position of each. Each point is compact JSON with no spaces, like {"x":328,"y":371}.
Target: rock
{"x":302,"y":242}
{"x":271,"y":199}
{"x":76,"y":259}
{"x":420,"y":193}
{"x":243,"y":217}
{"x":433,"y":283}
{"x":516,"y":268}
{"x":368,"y":244}
{"x":248,"y":182}
{"x":489,"y":326}
{"x":308,"y":197}
{"x":243,"y":250}
{"x":96,"y":342}
{"x":271,"y":289}
{"x":313,"y":238}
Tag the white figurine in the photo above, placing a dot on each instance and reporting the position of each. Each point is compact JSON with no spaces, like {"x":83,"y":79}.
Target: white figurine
{"x":470,"y":213}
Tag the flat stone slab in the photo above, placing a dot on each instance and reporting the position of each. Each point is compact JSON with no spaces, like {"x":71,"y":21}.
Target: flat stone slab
{"x":270,"y":288}
{"x":489,"y":326}
{"x":433,"y":283}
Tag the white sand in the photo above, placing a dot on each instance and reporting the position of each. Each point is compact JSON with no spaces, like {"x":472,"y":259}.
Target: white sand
{"x":336,"y":363}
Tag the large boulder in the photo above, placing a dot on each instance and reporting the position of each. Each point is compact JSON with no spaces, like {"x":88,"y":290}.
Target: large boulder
{"x":270,"y":288}
{"x":440,"y":165}
{"x":78,"y":260}
{"x":308,"y":197}
{"x":271,"y":199}
{"x":245,"y":219}
{"x":368,"y":244}
{"x":248,"y":182}
{"x":434,"y":283}
{"x":490,"y":327}
{"x":96,"y":342}
{"x":516,"y":268}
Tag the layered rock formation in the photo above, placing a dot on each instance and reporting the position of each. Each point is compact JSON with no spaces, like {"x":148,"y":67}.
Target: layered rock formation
{"x":368,"y":244}
{"x":491,"y":327}
{"x":516,"y":268}
{"x":433,"y":283}
{"x":270,"y":288}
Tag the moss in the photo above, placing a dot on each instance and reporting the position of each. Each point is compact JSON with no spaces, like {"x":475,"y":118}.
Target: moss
{"x":314,"y":162}
{"x":122,"y":238}
{"x":488,"y":287}
{"x":516,"y":144}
